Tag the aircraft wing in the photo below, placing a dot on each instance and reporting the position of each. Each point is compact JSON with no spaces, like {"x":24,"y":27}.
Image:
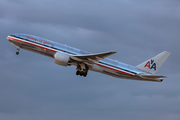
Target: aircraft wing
{"x":90,"y":58}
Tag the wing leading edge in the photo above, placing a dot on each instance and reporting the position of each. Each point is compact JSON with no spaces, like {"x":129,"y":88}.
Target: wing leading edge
{"x":90,"y":58}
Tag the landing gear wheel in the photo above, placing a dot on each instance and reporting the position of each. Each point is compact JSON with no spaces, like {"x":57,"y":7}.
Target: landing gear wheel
{"x":17,"y":53}
{"x":78,"y":72}
{"x":85,"y":74}
{"x":81,"y":73}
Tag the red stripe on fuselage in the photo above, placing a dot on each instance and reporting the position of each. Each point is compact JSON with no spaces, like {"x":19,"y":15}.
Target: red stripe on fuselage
{"x":114,"y":69}
{"x":19,"y":40}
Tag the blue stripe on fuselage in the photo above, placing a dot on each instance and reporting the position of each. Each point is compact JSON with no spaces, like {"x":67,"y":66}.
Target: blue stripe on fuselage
{"x":46,"y":45}
{"x":102,"y":62}
{"x":70,"y":52}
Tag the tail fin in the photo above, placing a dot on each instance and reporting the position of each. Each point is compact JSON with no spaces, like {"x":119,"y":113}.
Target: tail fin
{"x":152,"y":65}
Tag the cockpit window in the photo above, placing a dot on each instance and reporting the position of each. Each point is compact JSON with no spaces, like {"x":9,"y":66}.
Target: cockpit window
{"x":12,"y":35}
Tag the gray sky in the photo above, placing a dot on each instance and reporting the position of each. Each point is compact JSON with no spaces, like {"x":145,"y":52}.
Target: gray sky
{"x":32,"y":87}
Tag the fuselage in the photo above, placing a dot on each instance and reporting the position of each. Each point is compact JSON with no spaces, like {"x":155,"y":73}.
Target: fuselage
{"x":49,"y":48}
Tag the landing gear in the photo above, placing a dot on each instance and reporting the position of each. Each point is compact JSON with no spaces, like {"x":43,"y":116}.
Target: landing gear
{"x":17,"y":53}
{"x":82,"y":69}
{"x":81,"y":73}
{"x":77,"y":72}
{"x":85,"y":74}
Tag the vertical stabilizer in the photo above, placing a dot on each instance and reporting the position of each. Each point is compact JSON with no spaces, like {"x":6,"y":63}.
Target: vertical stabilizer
{"x":152,"y":65}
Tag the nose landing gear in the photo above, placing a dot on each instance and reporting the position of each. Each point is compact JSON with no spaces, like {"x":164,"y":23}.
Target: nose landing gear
{"x":17,"y":53}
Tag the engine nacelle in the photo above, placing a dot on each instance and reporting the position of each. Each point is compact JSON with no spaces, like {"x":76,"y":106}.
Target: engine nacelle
{"x":61,"y":58}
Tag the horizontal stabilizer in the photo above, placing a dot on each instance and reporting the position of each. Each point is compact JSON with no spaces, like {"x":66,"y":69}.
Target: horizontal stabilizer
{"x":152,"y":76}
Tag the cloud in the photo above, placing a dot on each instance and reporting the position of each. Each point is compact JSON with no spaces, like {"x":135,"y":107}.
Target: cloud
{"x":33,"y":87}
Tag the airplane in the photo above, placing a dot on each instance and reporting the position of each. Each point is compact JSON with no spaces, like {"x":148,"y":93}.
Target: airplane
{"x":84,"y":61}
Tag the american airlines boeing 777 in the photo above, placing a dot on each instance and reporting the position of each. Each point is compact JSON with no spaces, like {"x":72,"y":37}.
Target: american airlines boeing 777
{"x":65,"y":55}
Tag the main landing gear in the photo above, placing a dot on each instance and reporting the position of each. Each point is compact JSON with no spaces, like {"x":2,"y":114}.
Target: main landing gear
{"x":81,"y":73}
{"x":17,"y":53}
{"x":82,"y":69}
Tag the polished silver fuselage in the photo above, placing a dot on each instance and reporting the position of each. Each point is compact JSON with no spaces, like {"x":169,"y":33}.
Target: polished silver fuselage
{"x":49,"y":48}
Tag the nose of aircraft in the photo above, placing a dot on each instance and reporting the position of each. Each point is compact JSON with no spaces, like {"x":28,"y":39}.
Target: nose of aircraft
{"x":10,"y":36}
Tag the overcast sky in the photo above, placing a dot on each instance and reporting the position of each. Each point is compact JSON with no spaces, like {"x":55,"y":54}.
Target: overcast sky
{"x":32,"y":87}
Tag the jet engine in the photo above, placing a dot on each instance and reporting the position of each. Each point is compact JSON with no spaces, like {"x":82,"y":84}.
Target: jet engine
{"x":61,"y":58}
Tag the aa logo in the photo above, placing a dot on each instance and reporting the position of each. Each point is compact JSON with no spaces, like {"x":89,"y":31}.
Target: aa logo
{"x":151,"y":64}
